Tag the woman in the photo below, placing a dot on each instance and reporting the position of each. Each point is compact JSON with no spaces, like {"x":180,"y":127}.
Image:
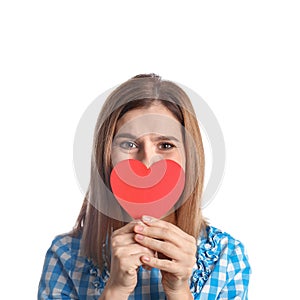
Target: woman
{"x":179,"y":256}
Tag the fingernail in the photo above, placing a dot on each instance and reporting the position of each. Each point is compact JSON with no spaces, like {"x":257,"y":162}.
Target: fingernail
{"x":139,"y":228}
{"x":146,"y":258}
{"x":139,"y":237}
{"x":147,"y":219}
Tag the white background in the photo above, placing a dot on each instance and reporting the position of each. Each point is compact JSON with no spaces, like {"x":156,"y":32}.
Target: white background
{"x":242,"y":57}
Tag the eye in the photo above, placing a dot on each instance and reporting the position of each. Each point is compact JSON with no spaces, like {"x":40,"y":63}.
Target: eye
{"x":166,"y":146}
{"x":128,"y":145}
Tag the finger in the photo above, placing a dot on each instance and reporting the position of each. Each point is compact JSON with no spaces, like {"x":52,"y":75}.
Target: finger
{"x":142,"y":250}
{"x":165,"y":230}
{"x":164,"y":234}
{"x":160,"y":224}
{"x":128,"y":228}
{"x":131,"y":250}
{"x":131,"y":263}
{"x":162,"y":264}
{"x":137,"y":262}
{"x":122,"y":240}
{"x":166,"y":248}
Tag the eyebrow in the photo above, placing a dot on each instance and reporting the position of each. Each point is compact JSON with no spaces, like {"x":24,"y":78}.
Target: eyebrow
{"x":165,"y":137}
{"x":157,"y":138}
{"x":125,"y":135}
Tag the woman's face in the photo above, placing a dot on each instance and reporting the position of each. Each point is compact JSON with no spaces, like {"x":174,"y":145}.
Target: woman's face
{"x":149,"y":135}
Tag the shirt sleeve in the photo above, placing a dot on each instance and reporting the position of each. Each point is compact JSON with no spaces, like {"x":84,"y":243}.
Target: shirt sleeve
{"x":237,"y":277}
{"x":55,"y":282}
{"x":223,"y":269}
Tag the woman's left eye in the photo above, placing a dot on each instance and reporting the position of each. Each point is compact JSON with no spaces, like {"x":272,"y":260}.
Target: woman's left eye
{"x":166,"y":146}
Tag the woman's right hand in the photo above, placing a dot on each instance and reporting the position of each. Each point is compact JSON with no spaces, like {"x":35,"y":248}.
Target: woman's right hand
{"x":126,"y":254}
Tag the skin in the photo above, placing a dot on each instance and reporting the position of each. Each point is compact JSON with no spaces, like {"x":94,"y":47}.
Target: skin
{"x":177,"y":254}
{"x":149,"y":135}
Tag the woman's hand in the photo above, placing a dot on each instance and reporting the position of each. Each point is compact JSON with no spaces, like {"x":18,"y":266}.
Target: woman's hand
{"x":176,"y":254}
{"x":125,"y":261}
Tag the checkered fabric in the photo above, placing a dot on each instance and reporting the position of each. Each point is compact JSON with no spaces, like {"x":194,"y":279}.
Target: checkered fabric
{"x":221,"y":272}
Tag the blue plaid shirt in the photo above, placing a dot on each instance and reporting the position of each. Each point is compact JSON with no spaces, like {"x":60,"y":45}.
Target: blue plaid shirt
{"x":221,"y":272}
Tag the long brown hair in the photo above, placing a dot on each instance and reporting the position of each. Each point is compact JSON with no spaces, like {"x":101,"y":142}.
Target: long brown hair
{"x":94,"y":221}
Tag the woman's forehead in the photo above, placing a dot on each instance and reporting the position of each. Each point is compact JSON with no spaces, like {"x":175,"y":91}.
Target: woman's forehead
{"x":141,"y":122}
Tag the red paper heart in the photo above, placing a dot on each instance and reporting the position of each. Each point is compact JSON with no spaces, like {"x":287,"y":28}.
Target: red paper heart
{"x":141,"y":191}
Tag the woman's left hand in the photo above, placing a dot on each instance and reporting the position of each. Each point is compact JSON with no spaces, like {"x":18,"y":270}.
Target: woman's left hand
{"x":176,"y":254}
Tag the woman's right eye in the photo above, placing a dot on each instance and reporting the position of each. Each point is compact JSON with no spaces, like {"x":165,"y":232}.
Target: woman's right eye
{"x":128,"y":145}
